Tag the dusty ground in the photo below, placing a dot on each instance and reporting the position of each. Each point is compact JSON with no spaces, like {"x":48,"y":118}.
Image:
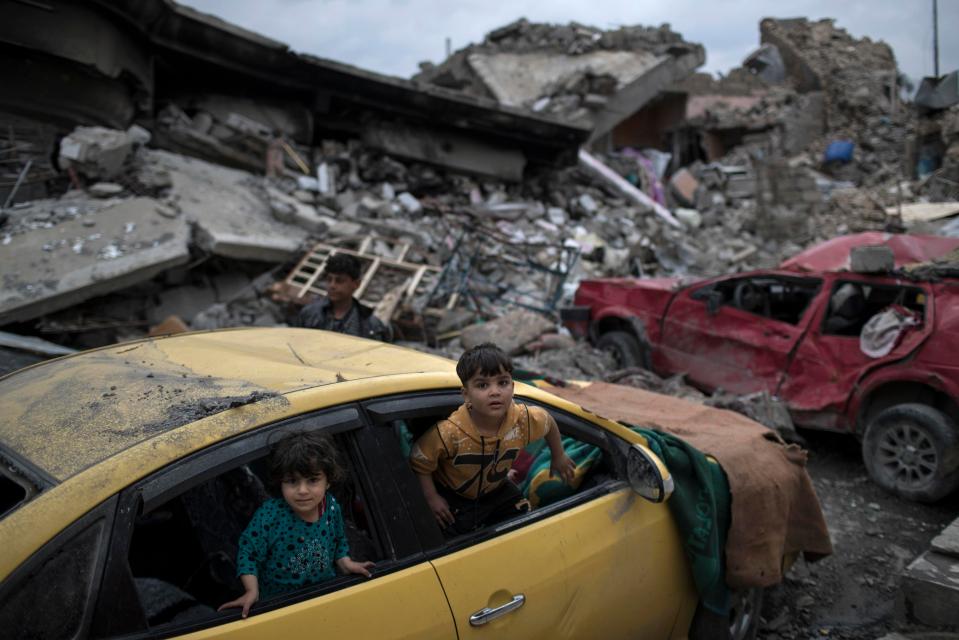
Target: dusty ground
{"x":854,"y":593}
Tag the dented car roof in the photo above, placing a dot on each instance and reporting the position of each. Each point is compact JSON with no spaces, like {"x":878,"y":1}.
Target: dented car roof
{"x":833,"y":255}
{"x":66,"y":415}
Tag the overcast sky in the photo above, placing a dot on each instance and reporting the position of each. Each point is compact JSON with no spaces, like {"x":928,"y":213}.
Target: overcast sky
{"x":393,"y":36}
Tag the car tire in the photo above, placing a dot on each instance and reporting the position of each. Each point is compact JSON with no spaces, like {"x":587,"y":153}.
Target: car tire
{"x":912,"y":450}
{"x":625,"y":348}
{"x":742,"y":623}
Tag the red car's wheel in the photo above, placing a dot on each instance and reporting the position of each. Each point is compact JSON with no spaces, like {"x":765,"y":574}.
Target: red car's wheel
{"x":625,"y":348}
{"x":913,"y":450}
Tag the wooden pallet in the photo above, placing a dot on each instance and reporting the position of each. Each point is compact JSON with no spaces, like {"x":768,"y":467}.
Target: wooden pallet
{"x":386,"y":283}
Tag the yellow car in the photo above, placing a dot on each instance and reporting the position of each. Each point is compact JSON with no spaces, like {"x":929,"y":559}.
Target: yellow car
{"x":129,"y":472}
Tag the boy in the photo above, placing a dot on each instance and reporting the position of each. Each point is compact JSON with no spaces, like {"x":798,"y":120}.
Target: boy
{"x":339,"y":311}
{"x":462,"y":462}
{"x":295,"y":540}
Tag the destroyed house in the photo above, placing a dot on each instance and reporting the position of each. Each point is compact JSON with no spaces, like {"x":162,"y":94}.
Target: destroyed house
{"x":114,"y":63}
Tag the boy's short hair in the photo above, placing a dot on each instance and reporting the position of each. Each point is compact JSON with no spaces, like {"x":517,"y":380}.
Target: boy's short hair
{"x":342,"y":263}
{"x":304,"y":453}
{"x":486,"y":359}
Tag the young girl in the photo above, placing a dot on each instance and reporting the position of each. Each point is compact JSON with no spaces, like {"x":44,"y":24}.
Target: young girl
{"x":296,"y":540}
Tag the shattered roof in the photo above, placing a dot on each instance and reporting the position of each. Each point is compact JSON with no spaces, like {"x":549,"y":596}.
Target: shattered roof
{"x":68,"y":414}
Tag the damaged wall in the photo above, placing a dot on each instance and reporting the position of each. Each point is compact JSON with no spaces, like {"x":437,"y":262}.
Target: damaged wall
{"x":110,"y":63}
{"x":575,"y":72}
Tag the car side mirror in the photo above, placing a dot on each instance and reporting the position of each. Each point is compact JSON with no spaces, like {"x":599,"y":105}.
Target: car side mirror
{"x":714,"y":300}
{"x":647,"y":474}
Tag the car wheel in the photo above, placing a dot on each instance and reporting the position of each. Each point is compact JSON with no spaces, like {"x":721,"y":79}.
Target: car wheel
{"x":742,"y":623}
{"x":913,"y":450}
{"x":625,"y":348}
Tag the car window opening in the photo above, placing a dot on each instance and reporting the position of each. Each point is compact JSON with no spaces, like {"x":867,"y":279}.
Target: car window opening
{"x":530,"y":472}
{"x":852,"y":304}
{"x":12,"y":494}
{"x":781,"y":299}
{"x":183,"y":553}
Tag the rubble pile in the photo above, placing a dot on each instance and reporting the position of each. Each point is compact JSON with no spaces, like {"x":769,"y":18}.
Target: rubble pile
{"x":210,"y":212}
{"x":523,"y":36}
{"x":859,"y":76}
{"x":493,"y":244}
{"x":939,"y":136}
{"x":860,"y":82}
{"x":576,"y":68}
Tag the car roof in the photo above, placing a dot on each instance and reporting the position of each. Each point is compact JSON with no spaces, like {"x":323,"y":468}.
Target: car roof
{"x":65,"y":415}
{"x":833,"y":255}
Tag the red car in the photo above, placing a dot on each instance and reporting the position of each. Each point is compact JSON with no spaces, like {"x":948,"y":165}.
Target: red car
{"x":798,"y":333}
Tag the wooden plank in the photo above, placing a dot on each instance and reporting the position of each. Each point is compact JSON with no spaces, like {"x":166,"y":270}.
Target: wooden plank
{"x":367,"y":277}
{"x":925,"y":211}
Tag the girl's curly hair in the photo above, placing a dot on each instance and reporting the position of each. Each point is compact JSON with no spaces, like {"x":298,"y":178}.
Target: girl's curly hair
{"x":305,"y":453}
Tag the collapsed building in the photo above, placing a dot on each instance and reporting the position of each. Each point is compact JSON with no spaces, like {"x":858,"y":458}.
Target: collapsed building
{"x":214,"y":170}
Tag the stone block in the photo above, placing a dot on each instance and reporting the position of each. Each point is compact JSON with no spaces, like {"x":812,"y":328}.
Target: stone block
{"x":510,"y":332}
{"x":684,"y":186}
{"x":877,"y":258}
{"x":930,"y":589}
{"x":947,"y":542}
{"x":98,"y":152}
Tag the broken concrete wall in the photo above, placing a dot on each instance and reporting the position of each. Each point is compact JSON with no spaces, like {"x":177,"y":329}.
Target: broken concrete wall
{"x":76,"y":63}
{"x":858,"y":75}
{"x":88,"y":63}
{"x":291,"y":119}
{"x":57,"y":253}
{"x":446,"y":148}
{"x":574,"y":72}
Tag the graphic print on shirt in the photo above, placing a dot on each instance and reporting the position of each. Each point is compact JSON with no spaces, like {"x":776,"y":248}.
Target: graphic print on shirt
{"x":494,"y":466}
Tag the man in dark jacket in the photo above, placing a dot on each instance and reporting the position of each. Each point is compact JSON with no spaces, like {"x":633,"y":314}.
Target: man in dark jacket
{"x":339,"y":310}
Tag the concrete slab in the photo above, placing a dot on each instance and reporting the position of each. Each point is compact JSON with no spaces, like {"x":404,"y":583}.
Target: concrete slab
{"x":448,"y":149}
{"x":947,"y":542}
{"x":631,"y":98}
{"x":518,"y":79}
{"x":930,"y":589}
{"x":232,"y":220}
{"x":45,"y":270}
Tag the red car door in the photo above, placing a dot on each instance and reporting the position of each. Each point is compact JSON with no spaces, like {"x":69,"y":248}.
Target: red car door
{"x":829,"y":361}
{"x":737,"y":333}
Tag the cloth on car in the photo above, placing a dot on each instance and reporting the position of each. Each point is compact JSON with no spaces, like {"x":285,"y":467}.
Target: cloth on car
{"x":774,"y":510}
{"x":540,"y":488}
{"x":700,"y":505}
{"x":700,"y":502}
{"x":882,"y":332}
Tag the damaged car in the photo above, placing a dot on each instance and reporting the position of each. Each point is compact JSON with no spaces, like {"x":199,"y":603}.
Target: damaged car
{"x":859,"y":334}
{"x":129,"y":472}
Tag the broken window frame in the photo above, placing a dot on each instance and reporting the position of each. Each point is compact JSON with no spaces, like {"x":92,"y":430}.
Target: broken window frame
{"x":902,"y":298}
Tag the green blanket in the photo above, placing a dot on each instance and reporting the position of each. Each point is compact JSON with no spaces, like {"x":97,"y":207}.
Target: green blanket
{"x":699,"y":504}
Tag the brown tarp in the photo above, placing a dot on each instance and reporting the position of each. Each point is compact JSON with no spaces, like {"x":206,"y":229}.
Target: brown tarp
{"x":775,"y":510}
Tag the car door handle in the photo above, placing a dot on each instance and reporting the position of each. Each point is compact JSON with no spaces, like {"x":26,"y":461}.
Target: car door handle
{"x":489,"y":614}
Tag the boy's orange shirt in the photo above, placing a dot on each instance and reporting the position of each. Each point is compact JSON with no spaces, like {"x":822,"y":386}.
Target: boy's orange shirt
{"x":472,"y":464}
